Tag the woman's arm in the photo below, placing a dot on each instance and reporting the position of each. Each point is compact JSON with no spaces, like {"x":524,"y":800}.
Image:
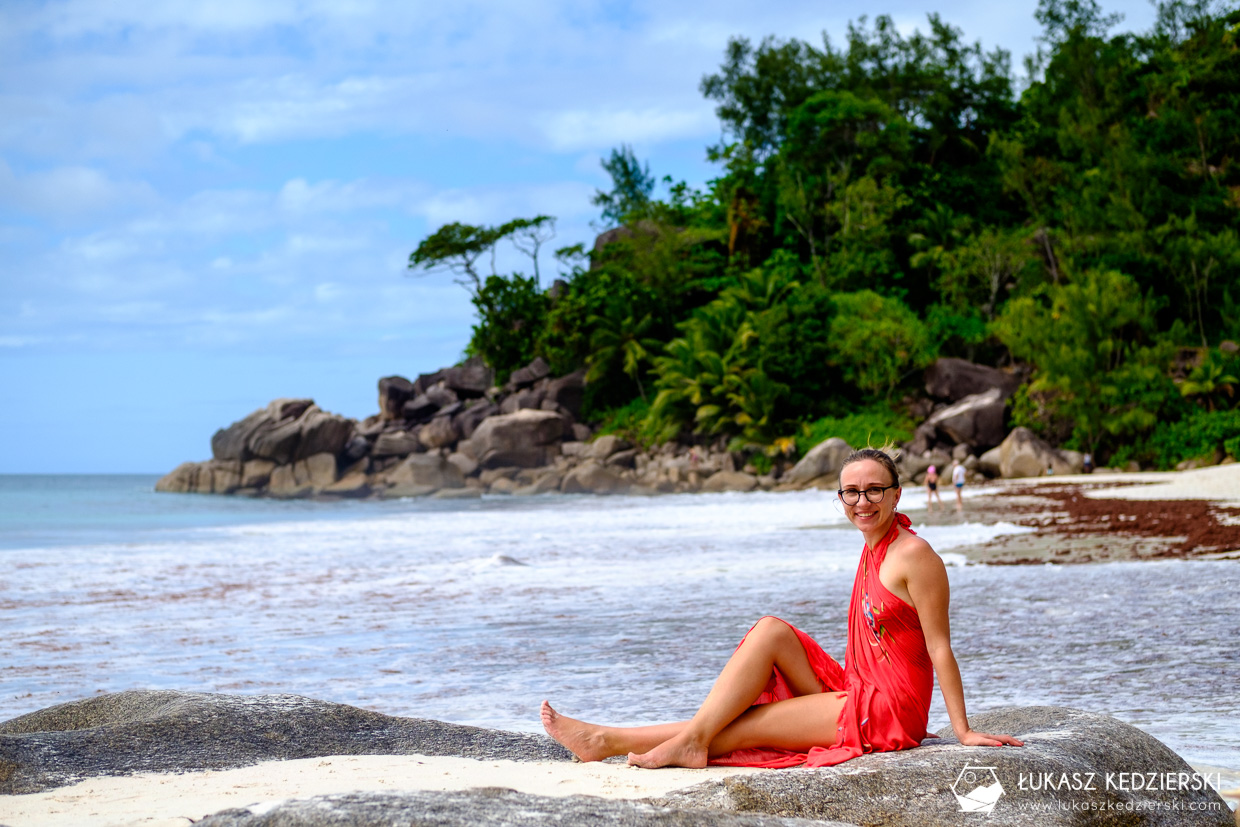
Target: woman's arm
{"x":928,"y":587}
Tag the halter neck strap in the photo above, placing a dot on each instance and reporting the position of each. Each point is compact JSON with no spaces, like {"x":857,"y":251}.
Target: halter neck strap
{"x":900,"y":522}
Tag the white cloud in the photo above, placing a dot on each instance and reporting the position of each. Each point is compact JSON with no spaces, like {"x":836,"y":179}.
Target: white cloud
{"x":301,"y":107}
{"x":78,"y":18}
{"x":308,"y":261}
{"x":127,"y":77}
{"x":494,"y":205}
{"x":98,"y":247}
{"x":21,"y":341}
{"x":298,"y":196}
{"x":70,"y":192}
{"x":126,"y":313}
{"x":580,"y":129}
{"x":284,"y":71}
{"x":328,"y":292}
{"x":210,"y":213}
{"x":301,"y":244}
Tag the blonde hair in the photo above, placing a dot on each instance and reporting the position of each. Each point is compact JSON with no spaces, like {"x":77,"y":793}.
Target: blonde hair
{"x":884,"y":456}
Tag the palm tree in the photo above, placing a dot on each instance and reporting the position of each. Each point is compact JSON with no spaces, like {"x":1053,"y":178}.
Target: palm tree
{"x":619,"y":338}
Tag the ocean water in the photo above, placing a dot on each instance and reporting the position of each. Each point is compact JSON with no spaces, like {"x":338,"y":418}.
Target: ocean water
{"x":619,"y":609}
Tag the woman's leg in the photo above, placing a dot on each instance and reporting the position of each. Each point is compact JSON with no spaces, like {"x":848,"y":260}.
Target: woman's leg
{"x":795,"y":724}
{"x":770,"y":643}
{"x":591,"y":742}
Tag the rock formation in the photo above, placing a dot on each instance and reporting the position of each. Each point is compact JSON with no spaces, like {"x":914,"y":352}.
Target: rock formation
{"x":1063,"y":769}
{"x":1022,"y":454}
{"x":820,"y":465}
{"x":448,"y":434}
{"x":976,"y":421}
{"x":919,"y":787}
{"x":453,"y":433}
{"x":488,"y":805}
{"x":167,"y":731}
{"x":954,"y":379}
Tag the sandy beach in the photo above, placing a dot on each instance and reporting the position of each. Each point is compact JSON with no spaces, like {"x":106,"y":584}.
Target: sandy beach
{"x":1076,"y":520}
{"x":175,"y":800}
{"x":1105,"y":517}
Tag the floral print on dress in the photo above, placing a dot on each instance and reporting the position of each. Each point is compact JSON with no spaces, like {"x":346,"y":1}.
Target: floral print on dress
{"x":877,"y":630}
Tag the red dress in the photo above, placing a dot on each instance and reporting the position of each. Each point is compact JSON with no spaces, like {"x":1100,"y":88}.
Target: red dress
{"x":887,"y":675}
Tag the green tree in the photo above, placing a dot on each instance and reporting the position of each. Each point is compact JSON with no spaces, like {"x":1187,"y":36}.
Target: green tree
{"x":878,"y":341}
{"x":1213,"y":381}
{"x":632,"y":186}
{"x":511,"y":314}
{"x":961,"y":218}
{"x":862,"y":223}
{"x":528,"y":235}
{"x":621,"y":339}
{"x":713,"y":378}
{"x":979,"y":270}
{"x":1096,"y":357}
{"x":456,"y":247}
{"x":1203,"y":263}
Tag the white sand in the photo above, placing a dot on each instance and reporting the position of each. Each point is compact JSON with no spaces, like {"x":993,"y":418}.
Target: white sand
{"x":176,"y":800}
{"x":1219,"y":483}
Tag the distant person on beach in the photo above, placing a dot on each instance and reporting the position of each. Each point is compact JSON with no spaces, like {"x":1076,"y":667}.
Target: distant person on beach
{"x":782,"y":701}
{"x":932,"y":488}
{"x":1088,"y":463}
{"x":958,"y":481}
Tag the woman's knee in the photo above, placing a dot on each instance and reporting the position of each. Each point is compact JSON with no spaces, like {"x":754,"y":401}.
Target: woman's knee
{"x":771,"y":628}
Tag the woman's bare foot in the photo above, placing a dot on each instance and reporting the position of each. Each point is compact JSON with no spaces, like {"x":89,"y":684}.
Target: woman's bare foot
{"x":676,"y":752}
{"x":586,"y":741}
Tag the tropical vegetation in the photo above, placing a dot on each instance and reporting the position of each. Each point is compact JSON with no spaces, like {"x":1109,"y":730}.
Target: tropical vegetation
{"x":893,"y":199}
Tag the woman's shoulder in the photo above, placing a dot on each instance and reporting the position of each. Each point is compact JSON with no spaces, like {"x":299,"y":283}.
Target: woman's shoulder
{"x":906,"y":542}
{"x":911,"y":551}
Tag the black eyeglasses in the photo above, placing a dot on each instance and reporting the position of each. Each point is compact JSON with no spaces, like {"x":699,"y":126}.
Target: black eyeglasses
{"x":852,"y":496}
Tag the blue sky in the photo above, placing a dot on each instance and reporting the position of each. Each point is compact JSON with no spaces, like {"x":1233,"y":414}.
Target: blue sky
{"x":207,"y":205}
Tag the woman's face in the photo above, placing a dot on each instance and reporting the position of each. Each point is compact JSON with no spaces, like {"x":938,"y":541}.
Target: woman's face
{"x":862,"y":475}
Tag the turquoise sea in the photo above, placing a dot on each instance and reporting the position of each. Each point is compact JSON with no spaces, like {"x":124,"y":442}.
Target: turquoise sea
{"x":619,"y":609}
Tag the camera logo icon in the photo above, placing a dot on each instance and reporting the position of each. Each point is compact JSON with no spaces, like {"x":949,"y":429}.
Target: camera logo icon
{"x":977,"y":789}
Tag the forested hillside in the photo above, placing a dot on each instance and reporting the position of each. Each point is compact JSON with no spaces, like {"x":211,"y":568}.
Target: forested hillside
{"x":888,"y":200}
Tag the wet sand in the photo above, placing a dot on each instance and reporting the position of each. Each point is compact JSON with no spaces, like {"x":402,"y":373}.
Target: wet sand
{"x":1091,"y":518}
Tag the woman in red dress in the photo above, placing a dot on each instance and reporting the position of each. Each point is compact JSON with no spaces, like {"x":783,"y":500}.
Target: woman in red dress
{"x":782,"y":701}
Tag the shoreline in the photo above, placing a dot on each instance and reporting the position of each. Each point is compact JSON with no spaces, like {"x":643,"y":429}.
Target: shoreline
{"x":1103,"y":517}
{"x":165,"y":799}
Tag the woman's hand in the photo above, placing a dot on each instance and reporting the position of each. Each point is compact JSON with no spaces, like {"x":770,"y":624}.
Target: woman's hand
{"x":973,"y":738}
